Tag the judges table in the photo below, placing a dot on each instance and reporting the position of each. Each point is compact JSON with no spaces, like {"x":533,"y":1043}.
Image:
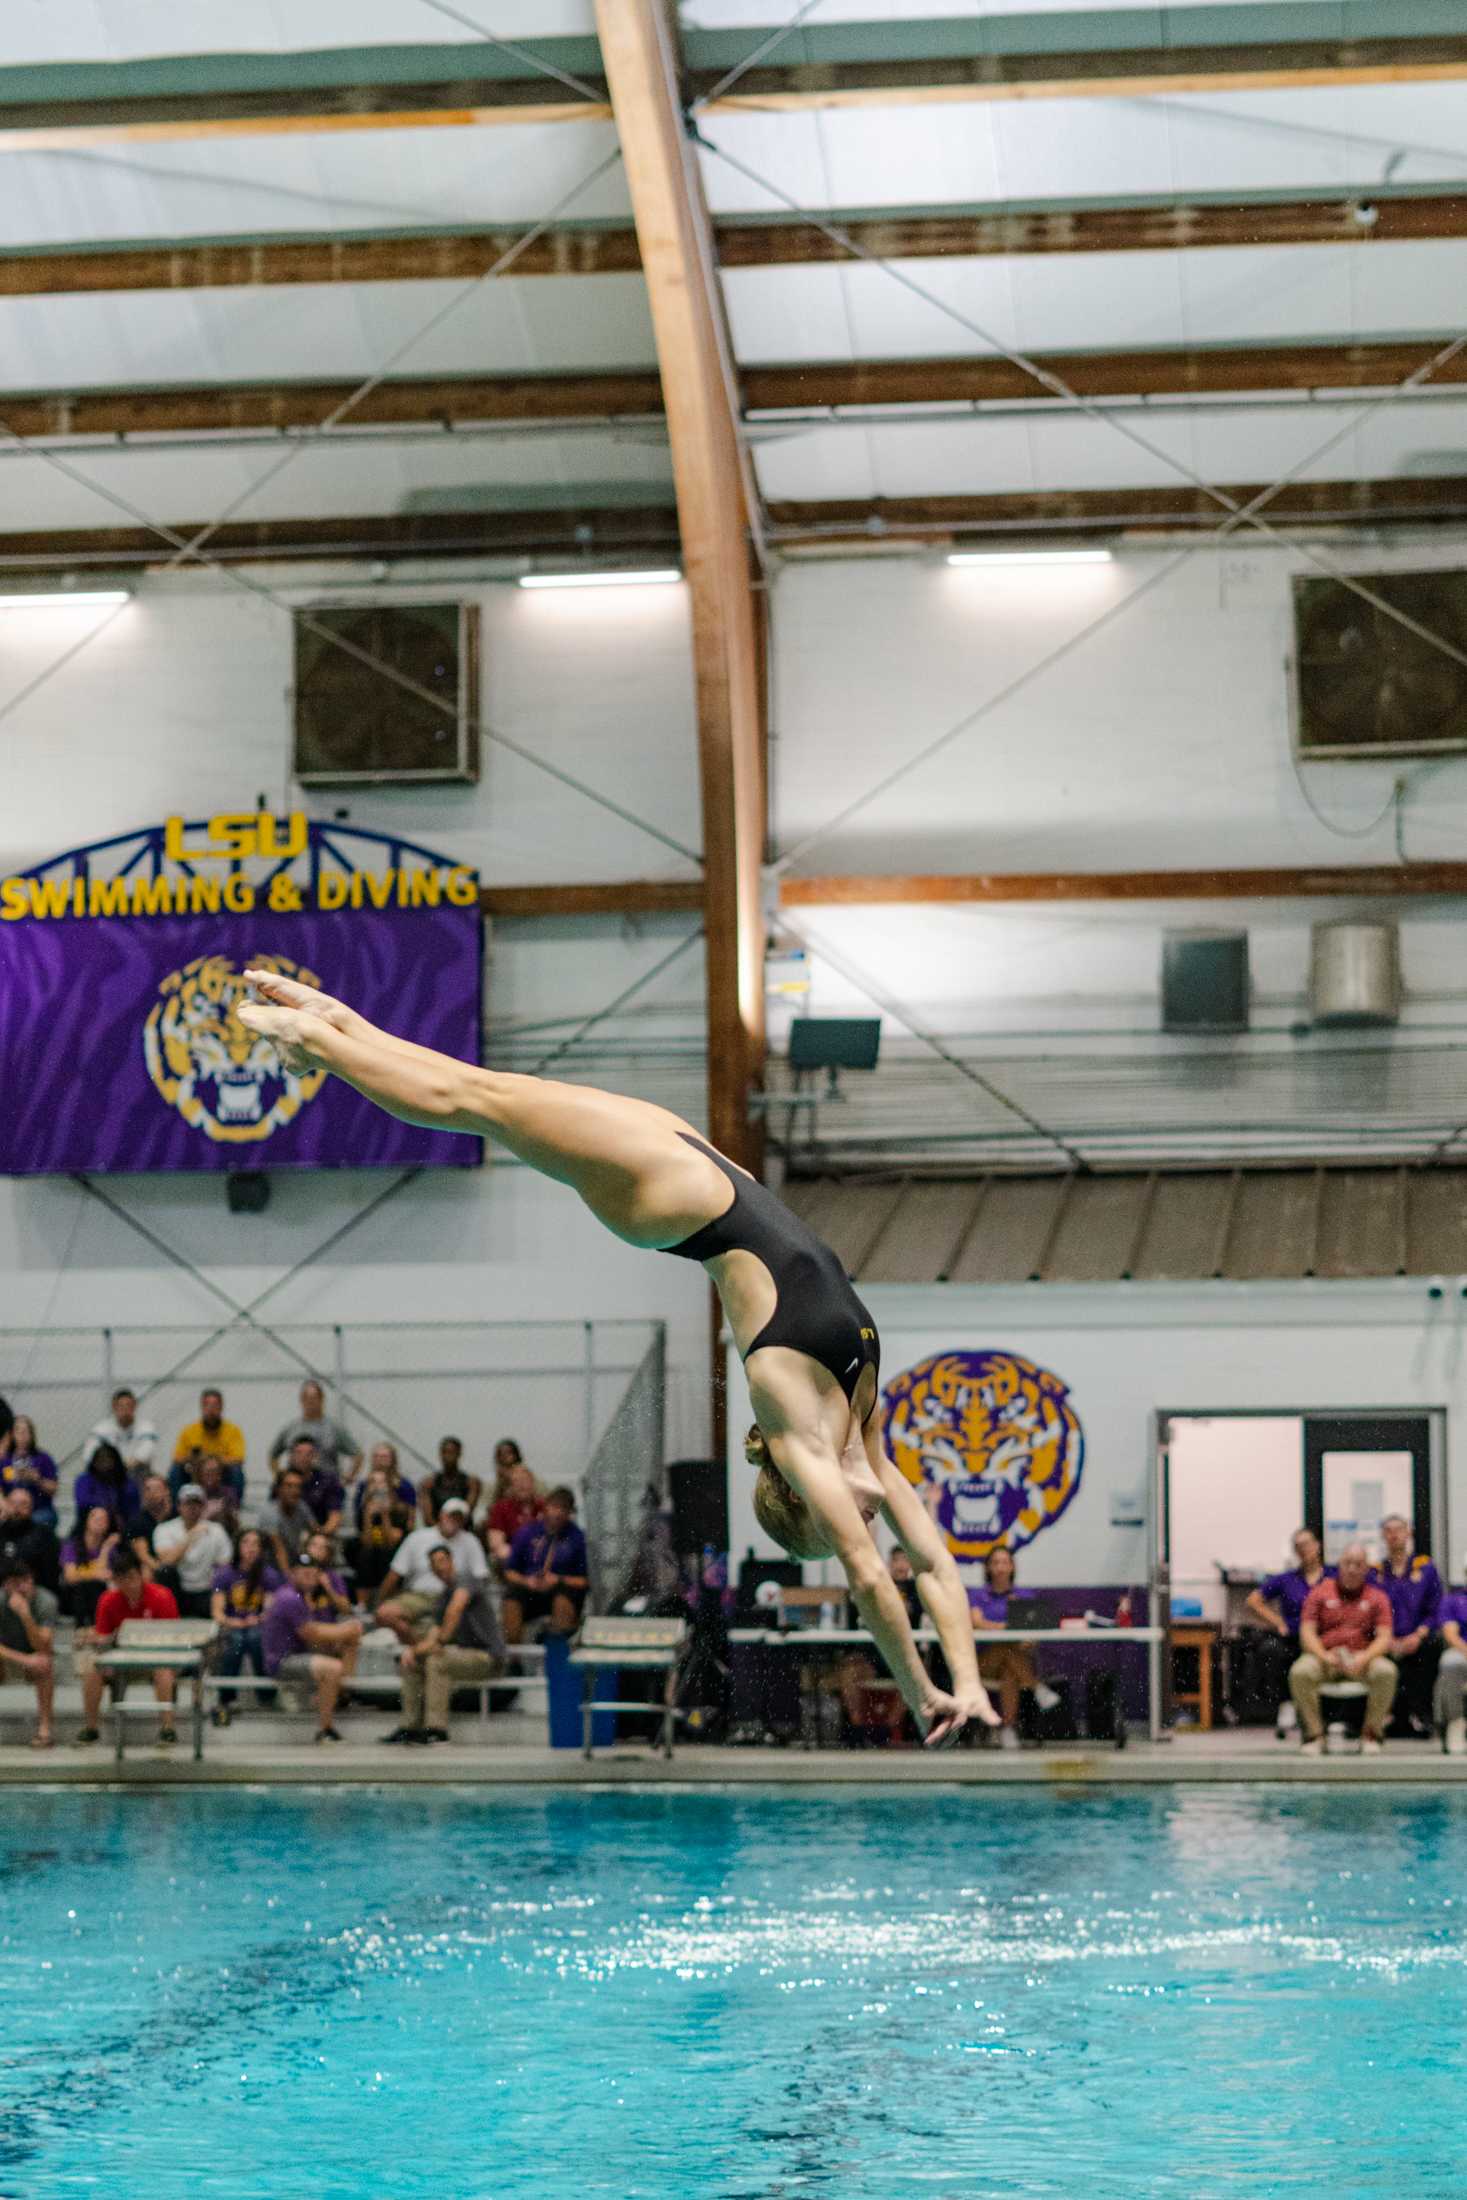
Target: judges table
{"x":813,"y":1639}
{"x":148,"y":1646}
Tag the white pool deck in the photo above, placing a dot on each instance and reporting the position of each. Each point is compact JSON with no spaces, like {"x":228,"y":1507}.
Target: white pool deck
{"x":272,"y":1752}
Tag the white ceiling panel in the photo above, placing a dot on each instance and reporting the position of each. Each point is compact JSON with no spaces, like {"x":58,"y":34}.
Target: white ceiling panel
{"x":380,"y":179}
{"x":132,"y":30}
{"x":198,"y":482}
{"x":540,"y":325}
{"x":814,"y":464}
{"x":1021,"y":150}
{"x":754,"y":15}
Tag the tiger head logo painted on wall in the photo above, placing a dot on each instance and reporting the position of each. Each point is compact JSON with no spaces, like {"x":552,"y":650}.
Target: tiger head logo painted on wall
{"x":990,"y":1441}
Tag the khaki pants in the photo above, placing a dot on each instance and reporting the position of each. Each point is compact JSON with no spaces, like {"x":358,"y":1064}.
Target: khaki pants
{"x":1307,"y":1676}
{"x":436,"y":1676}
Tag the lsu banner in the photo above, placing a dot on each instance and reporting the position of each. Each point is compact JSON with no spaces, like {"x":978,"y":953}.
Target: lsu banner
{"x":121,"y":1050}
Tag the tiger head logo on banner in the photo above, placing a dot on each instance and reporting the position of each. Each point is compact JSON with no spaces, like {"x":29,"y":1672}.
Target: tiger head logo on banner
{"x":224,"y":1079}
{"x":992,"y":1443}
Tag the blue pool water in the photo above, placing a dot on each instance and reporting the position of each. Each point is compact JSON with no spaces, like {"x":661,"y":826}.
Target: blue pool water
{"x":332,"y":1995}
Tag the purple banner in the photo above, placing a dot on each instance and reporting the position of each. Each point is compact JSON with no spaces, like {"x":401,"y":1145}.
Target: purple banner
{"x":121,"y":1050}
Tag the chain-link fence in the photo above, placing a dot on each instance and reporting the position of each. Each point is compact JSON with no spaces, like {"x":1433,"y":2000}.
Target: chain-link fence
{"x":626,"y":1461}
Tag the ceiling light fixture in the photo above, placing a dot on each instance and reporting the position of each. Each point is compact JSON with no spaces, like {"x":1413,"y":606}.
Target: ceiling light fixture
{"x":1029,"y":557}
{"x":657,"y":576}
{"x":56,"y":599}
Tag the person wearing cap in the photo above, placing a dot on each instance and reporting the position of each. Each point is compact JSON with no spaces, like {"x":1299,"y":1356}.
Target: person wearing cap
{"x":300,"y":1647}
{"x":463,"y":1643}
{"x":194,"y":1548}
{"x":411,"y":1591}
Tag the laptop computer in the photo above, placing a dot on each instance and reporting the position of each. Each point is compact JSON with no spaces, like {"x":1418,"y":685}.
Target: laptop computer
{"x":1031,"y":1612}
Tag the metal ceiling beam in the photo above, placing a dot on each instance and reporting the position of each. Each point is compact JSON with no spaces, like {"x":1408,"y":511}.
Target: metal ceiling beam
{"x":636,"y":393}
{"x":429,"y":255}
{"x":718,"y":524}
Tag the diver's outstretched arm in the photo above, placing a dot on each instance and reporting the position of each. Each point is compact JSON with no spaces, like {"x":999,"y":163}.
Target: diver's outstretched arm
{"x":412,"y":1083}
{"x":939,"y":1585}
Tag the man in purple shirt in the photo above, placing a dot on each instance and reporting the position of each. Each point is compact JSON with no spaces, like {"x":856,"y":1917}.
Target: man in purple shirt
{"x":1449,"y":1700}
{"x":1278,"y":1604}
{"x":547,"y":1573}
{"x":300,"y":1647}
{"x":323,"y":1490}
{"x":1414,"y":1588}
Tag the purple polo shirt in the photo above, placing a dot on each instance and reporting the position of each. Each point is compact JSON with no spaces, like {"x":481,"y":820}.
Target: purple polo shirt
{"x":325,"y":1494}
{"x":1290,"y":1591}
{"x":1453,"y":1606}
{"x":535,"y":1551}
{"x":1415,"y":1595}
{"x":994,"y":1608}
{"x":280,"y":1630}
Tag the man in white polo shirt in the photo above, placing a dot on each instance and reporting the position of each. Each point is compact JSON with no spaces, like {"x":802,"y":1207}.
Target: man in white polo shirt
{"x":195,"y":1548}
{"x":412,"y":1592}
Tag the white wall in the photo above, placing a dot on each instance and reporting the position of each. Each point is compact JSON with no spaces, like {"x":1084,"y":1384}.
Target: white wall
{"x":1128,"y":1351}
{"x":182,"y":705}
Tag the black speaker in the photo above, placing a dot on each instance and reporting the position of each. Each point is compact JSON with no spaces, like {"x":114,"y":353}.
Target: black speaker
{"x":697,"y":1490}
{"x":1204,"y":981}
{"x":247,"y":1191}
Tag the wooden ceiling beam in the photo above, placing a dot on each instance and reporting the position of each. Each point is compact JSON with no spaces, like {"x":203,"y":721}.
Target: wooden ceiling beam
{"x":570,"y":532}
{"x":1392,"y":882}
{"x":442,"y":401}
{"x":622,"y":898}
{"x":713,"y":497}
{"x":474,"y":100}
{"x":610,"y":249}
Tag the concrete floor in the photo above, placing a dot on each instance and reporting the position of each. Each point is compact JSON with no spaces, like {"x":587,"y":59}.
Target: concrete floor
{"x":268,"y":1751}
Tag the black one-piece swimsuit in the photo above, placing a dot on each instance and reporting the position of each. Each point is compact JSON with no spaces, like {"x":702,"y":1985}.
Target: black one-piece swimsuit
{"x":816,"y":1310}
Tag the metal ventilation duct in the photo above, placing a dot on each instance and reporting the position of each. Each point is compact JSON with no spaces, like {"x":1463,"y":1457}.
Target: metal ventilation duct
{"x":1355,"y":974}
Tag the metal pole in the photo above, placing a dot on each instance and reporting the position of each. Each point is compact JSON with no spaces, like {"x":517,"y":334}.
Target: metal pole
{"x":1155,"y":1647}
{"x":588,"y":1388}
{"x":109,"y":1370}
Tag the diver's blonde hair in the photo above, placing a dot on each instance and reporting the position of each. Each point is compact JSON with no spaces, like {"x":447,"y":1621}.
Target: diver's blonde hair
{"x":780,"y":1511}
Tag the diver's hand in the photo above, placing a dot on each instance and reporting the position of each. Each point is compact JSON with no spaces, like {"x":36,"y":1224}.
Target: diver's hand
{"x":290,"y":1031}
{"x":283,"y":992}
{"x":948,"y":1715}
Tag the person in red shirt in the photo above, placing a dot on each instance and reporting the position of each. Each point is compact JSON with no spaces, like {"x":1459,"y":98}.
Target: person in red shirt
{"x":520,"y":1504}
{"x":1345,"y":1634}
{"x":130,"y":1597}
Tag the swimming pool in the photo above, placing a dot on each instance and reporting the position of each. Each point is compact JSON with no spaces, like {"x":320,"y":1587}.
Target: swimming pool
{"x":743,"y":1995}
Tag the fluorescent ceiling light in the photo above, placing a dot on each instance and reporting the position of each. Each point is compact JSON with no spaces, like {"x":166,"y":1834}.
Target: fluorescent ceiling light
{"x":53,"y":599}
{"x":657,"y":576}
{"x":1029,"y":557}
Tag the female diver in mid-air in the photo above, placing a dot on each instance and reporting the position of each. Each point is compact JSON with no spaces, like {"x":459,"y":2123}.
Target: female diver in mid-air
{"x":809,"y":1346}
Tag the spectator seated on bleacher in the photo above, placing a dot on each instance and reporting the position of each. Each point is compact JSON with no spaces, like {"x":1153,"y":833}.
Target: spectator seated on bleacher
{"x":286,"y":1519}
{"x":1414,"y":1588}
{"x":1345,"y":1634}
{"x":463,"y":1642}
{"x":210,"y":1437}
{"x":321,"y":1486}
{"x":299,"y":1647}
{"x":384,"y":1509}
{"x":105,"y":1481}
{"x":131,"y":1596}
{"x":86,"y":1565}
{"x":241,"y":1591}
{"x":547,"y":1573}
{"x":192,"y":1548}
{"x":154,"y":1507}
{"x":26,"y":1541}
{"x":25,"y":1645}
{"x":134,"y":1439}
{"x":448,"y":1482}
{"x":220,"y":1501}
{"x":329,"y":1598}
{"x":24,"y":1464}
{"x":336,"y":1451}
{"x":411,"y":1590}
{"x":519,"y":1504}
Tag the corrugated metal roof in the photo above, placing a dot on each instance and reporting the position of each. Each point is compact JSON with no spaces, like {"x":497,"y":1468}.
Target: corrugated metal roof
{"x":1246,"y":1225}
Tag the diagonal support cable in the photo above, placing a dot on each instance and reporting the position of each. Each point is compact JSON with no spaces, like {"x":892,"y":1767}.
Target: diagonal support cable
{"x":600,"y":1015}
{"x":531,"y":59}
{"x":240,"y":1312}
{"x":750,"y":60}
{"x":310,"y":439}
{"x":1093,"y":626}
{"x":1058,"y":387}
{"x":937,"y":1046}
